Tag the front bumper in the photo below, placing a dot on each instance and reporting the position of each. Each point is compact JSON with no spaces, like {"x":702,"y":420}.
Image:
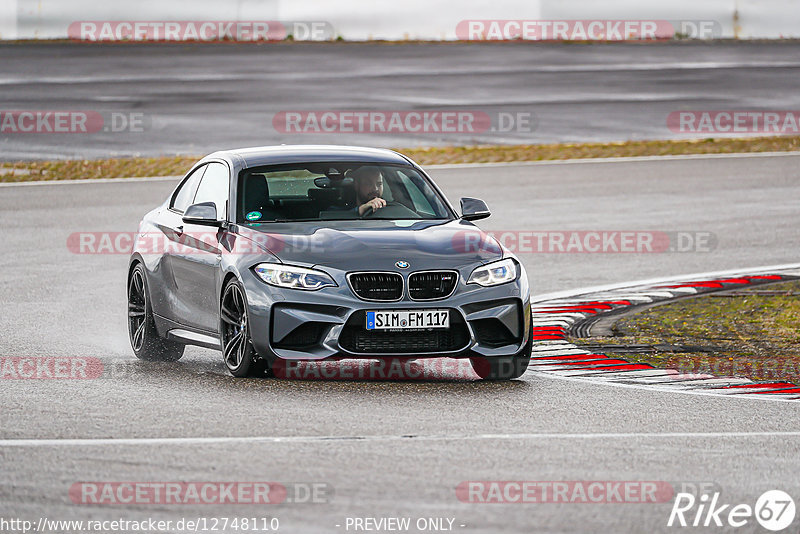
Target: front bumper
{"x":328,"y":323}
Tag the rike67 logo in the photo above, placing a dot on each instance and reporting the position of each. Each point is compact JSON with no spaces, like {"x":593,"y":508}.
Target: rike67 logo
{"x":774,"y":510}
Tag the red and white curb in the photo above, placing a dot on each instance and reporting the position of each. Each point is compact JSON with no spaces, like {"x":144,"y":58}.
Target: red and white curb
{"x":558,"y":315}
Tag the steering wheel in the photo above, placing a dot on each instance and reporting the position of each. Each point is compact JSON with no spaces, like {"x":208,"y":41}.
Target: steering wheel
{"x":393,"y":210}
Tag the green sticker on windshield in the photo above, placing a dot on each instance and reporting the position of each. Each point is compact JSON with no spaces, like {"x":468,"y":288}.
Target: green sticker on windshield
{"x":253,"y":216}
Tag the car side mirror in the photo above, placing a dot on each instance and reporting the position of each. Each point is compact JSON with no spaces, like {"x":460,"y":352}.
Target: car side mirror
{"x":473,"y":209}
{"x":204,"y":213}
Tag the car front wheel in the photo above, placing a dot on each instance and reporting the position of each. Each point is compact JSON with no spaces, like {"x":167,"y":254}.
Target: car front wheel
{"x":237,"y":347}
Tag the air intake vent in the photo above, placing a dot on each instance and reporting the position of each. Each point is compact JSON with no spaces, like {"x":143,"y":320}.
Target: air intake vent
{"x":304,"y":336}
{"x":493,"y":333}
{"x":431,"y":285}
{"x":377,"y":286}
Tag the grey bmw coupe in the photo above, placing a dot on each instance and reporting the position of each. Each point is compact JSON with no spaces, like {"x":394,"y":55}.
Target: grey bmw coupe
{"x":322,"y":252}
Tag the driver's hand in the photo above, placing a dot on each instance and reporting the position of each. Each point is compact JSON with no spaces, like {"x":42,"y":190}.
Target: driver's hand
{"x":373,"y":205}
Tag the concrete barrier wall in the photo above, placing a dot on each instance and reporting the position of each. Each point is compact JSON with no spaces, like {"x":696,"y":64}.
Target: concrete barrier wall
{"x":389,"y":19}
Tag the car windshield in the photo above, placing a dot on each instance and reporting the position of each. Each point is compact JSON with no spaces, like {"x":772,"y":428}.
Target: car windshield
{"x":336,"y":191}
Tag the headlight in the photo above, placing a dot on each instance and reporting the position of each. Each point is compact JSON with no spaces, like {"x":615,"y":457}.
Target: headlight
{"x":276,"y":274}
{"x":494,"y":274}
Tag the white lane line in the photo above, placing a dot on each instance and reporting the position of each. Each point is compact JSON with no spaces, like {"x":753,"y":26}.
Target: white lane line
{"x":581,"y":356}
{"x":81,"y":442}
{"x":661,"y":294}
{"x":673,"y":290}
{"x":634,"y":299}
{"x":549,"y":355}
{"x":671,"y":379}
{"x":648,"y":378}
{"x":539,"y":352}
{"x":754,"y":389}
{"x":566,"y":352}
{"x":631,"y":375}
{"x":614,"y":160}
{"x":786,"y":396}
{"x":576,"y":366}
{"x":92,"y":181}
{"x":541,"y":313}
{"x":586,"y":373}
{"x":547,"y":365}
{"x":704,"y":381}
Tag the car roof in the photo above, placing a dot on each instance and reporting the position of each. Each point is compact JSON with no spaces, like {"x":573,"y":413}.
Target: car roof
{"x":276,"y":155}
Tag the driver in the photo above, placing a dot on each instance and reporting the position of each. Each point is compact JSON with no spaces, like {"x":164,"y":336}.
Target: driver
{"x":369,"y":189}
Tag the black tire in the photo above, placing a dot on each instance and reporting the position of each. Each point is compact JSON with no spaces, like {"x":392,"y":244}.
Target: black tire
{"x":238,"y":352}
{"x":142,"y":333}
{"x":503,"y":367}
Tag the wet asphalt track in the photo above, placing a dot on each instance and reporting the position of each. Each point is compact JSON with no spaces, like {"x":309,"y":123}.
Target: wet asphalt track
{"x":395,"y":448}
{"x":194,"y":99}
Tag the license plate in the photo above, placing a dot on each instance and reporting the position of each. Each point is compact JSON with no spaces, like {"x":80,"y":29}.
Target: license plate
{"x":407,"y":319}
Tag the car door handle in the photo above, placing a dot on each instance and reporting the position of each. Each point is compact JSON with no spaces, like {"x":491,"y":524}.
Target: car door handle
{"x":179,"y":230}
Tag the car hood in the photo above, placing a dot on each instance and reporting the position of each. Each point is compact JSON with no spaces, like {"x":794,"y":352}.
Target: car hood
{"x":376,"y":244}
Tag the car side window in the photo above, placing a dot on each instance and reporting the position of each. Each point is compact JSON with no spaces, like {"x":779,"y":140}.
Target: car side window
{"x":420,"y":194}
{"x":214,"y":188}
{"x":185,"y":194}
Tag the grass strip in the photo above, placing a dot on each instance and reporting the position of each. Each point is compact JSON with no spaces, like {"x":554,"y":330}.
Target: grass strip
{"x":22,"y":171}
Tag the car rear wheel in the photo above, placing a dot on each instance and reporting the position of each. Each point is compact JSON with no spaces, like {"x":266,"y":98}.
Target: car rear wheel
{"x":238,"y":352}
{"x":144,"y":338}
{"x":503,"y":367}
